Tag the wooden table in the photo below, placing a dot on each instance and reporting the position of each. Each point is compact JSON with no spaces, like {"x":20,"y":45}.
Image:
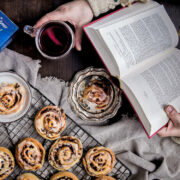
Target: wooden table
{"x":24,"y":12}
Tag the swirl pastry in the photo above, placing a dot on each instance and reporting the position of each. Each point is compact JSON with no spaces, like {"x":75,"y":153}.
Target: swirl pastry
{"x":30,"y":154}
{"x":50,"y":121}
{"x":97,"y":92}
{"x":105,"y":178}
{"x":6,"y":163}
{"x":64,"y":176}
{"x":11,"y":98}
{"x":99,"y":161}
{"x":65,"y":152}
{"x":27,"y":176}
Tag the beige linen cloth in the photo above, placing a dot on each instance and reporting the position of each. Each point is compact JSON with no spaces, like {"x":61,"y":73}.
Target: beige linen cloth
{"x":158,"y":158}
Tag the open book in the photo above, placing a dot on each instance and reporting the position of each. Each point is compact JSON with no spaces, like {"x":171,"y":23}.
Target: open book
{"x":137,"y":45}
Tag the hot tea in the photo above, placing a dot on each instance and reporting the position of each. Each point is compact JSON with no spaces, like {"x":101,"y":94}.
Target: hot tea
{"x":54,"y":39}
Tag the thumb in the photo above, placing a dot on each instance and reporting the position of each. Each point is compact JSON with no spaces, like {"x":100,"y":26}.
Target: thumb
{"x":78,"y":38}
{"x":172,"y":114}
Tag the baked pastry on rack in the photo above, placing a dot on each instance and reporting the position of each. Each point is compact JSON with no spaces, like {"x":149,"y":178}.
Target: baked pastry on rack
{"x":64,"y":176}
{"x":11,"y":98}
{"x":30,"y":154}
{"x":65,"y":152}
{"x":105,"y":178}
{"x":27,"y":176}
{"x":50,"y":121}
{"x":6,"y":163}
{"x":99,"y":161}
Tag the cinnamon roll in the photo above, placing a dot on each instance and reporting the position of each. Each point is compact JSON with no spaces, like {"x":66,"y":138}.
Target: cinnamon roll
{"x":30,"y":154}
{"x":6,"y":163}
{"x":65,"y":152}
{"x":27,"y":176}
{"x":99,"y":161}
{"x":11,"y":98}
{"x":50,"y":121}
{"x":64,"y":176}
{"x":97,"y":92}
{"x":105,"y":178}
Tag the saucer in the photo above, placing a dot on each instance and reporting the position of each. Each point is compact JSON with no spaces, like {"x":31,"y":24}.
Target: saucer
{"x":12,"y":78}
{"x":93,"y":96}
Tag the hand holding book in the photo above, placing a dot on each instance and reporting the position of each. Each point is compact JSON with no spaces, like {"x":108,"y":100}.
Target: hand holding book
{"x":173,"y":126}
{"x":137,"y":45}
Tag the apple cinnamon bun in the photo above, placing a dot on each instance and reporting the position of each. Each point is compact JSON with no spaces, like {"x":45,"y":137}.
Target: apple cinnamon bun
{"x":11,"y":98}
{"x":105,"y":178}
{"x":27,"y":176}
{"x":99,"y":161}
{"x":65,"y":152}
{"x":64,"y":176}
{"x":50,"y":121}
{"x":6,"y":163}
{"x":97,"y":92}
{"x":30,"y":154}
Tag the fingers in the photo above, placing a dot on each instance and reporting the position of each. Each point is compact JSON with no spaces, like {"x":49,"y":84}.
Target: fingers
{"x":53,"y":16}
{"x":78,"y":38}
{"x":173,"y":128}
{"x":172,"y":114}
{"x":166,"y":131}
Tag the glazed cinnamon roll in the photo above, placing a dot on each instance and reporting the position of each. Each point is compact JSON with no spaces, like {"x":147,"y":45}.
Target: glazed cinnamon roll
{"x":99,"y":161}
{"x":105,"y":178}
{"x":50,"y":121}
{"x":30,"y":154}
{"x":11,"y":98}
{"x":27,"y":176}
{"x":6,"y":163}
{"x":65,"y":152}
{"x":64,"y":176}
{"x":97,"y":92}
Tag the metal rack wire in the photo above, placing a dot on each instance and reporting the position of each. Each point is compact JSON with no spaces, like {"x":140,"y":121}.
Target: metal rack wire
{"x":12,"y":133}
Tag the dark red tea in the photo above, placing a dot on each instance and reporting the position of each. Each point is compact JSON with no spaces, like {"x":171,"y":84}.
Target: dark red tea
{"x":55,"y":39}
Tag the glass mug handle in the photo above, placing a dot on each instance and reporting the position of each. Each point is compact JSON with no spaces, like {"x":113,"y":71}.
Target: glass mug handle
{"x":29,"y":30}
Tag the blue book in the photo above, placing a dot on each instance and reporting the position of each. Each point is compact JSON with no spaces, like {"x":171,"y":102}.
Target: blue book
{"x":7,"y":29}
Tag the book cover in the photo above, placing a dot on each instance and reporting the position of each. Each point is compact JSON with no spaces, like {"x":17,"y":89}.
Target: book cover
{"x":7,"y":29}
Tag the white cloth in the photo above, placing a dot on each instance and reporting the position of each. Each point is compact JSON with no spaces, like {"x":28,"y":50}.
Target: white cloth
{"x":157,"y":158}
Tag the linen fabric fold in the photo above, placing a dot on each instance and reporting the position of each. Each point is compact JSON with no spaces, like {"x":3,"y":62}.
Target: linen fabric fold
{"x":157,"y":158}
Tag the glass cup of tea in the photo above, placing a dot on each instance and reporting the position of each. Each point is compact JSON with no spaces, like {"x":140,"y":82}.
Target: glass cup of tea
{"x":54,"y":39}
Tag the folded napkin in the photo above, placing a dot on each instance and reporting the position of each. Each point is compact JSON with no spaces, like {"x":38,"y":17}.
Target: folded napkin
{"x":157,"y":158}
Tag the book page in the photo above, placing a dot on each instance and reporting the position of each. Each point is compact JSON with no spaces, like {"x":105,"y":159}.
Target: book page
{"x":155,"y":87}
{"x":140,"y":37}
{"x":103,"y":52}
{"x":97,"y":41}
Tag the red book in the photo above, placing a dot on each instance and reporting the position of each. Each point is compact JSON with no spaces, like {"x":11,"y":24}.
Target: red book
{"x":137,"y":45}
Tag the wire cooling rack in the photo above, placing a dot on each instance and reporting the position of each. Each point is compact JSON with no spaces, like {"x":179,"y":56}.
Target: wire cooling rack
{"x":12,"y":133}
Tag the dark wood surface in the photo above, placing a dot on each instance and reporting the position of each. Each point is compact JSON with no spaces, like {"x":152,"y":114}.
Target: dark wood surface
{"x":24,"y":12}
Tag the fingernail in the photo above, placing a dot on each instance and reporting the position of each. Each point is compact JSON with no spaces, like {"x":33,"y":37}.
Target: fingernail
{"x":79,"y":48}
{"x":169,"y":109}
